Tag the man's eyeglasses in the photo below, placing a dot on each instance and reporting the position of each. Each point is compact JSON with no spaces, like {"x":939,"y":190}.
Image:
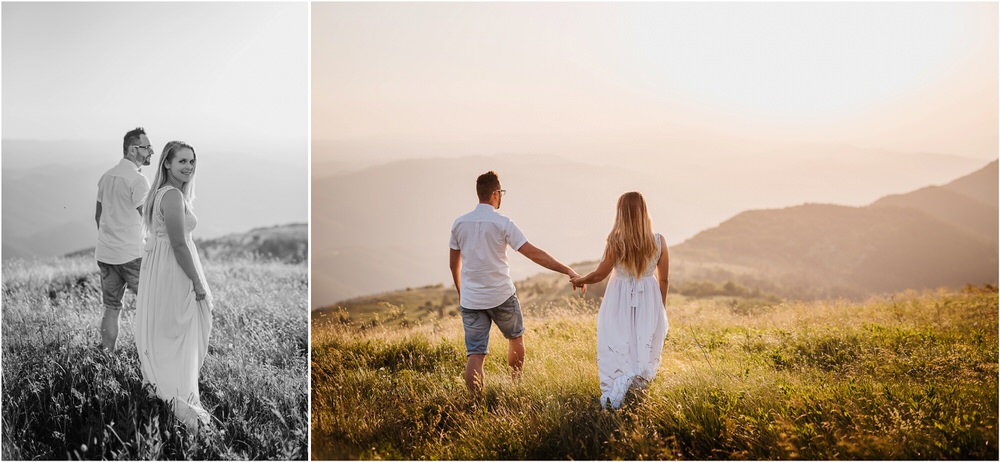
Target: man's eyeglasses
{"x":501,"y":191}
{"x":147,"y":147}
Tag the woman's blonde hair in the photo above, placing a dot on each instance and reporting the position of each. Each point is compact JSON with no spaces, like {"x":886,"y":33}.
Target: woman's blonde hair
{"x":632,"y":239}
{"x":161,"y":177}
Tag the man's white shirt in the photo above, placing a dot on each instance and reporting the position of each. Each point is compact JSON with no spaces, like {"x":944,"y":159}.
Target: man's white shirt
{"x":120,"y":191}
{"x":482,"y":236}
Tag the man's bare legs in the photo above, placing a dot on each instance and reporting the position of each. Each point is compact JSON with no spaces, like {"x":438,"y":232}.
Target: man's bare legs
{"x":515,"y":357}
{"x":109,"y":328}
{"x":474,"y":366}
{"x":474,"y":374}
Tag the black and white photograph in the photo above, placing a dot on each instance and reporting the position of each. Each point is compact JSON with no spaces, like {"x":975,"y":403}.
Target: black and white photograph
{"x":146,"y":318}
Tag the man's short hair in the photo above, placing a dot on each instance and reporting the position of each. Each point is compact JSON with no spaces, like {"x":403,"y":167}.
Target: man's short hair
{"x":487,"y":184}
{"x":132,"y":138}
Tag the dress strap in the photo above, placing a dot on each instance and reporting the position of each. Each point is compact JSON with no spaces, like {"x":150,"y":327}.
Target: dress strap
{"x":160,"y":192}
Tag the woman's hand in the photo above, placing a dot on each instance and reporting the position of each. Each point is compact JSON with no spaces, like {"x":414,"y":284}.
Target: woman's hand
{"x":199,"y":291}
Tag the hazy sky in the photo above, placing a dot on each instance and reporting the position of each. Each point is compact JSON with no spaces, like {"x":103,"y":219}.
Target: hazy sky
{"x":219,"y":72}
{"x":911,"y":77}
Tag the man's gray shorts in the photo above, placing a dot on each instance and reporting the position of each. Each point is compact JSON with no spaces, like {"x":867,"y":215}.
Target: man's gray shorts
{"x":114,"y":278}
{"x":507,"y":316}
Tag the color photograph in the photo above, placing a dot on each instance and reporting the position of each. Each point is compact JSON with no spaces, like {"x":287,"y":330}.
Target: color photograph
{"x":692,"y":230}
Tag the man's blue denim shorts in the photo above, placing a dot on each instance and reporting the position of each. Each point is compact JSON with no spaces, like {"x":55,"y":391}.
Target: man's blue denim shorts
{"x":507,"y":316}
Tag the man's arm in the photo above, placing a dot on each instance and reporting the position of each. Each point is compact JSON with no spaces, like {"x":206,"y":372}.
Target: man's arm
{"x":97,"y":215}
{"x":542,"y":258}
{"x":455,"y":262}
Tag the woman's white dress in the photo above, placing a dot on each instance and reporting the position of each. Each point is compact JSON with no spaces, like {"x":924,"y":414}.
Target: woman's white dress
{"x":171,"y":327}
{"x":631,"y":328}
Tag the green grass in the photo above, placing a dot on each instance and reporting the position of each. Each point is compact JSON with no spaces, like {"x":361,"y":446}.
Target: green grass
{"x":63,"y":398}
{"x":913,"y":376}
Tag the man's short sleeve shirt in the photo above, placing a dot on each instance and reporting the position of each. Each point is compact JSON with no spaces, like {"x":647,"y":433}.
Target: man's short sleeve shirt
{"x":483,"y":236}
{"x":120,"y":191}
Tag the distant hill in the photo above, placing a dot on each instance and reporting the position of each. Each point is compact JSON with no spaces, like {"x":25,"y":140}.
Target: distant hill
{"x":981,"y":185}
{"x":932,"y":237}
{"x":286,"y":243}
{"x":968,"y":202}
{"x":426,"y":303}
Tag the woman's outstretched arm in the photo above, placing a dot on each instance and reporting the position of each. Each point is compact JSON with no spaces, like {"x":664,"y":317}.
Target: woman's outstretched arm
{"x":602,"y":271}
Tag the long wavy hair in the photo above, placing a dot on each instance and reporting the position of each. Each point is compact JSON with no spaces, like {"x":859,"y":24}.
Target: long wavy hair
{"x":632,"y":238}
{"x":161,"y":178}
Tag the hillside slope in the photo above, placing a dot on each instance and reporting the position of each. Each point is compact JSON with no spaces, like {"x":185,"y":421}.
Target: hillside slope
{"x":969,"y":202}
{"x":285,"y":243}
{"x":931,"y":237}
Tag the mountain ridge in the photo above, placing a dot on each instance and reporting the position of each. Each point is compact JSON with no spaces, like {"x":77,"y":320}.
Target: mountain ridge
{"x":814,"y":250}
{"x":370,"y":244}
{"x":926,"y":238}
{"x":286,"y":243}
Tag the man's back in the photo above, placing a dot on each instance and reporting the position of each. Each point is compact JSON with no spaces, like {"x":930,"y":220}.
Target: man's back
{"x":120,"y":191}
{"x":482,"y":236}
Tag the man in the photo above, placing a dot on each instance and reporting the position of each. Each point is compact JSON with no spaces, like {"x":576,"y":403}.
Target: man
{"x":479,"y":267}
{"x":120,"y":195}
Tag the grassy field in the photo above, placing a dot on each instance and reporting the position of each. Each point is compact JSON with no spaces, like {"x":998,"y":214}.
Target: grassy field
{"x":912,"y":376}
{"x":65,"y":399}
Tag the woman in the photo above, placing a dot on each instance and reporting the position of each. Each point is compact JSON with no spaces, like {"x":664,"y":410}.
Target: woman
{"x":173,"y":315}
{"x":632,"y":321}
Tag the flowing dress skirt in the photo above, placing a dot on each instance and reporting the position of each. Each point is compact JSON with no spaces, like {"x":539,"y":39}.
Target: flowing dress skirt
{"x":172,"y":330}
{"x":631,"y":328}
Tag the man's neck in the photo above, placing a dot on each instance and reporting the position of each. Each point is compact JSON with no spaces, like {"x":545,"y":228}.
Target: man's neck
{"x":134,"y":161}
{"x":491,"y":204}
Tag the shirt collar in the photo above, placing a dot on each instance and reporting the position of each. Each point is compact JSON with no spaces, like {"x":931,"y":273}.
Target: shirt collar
{"x":485,"y":207}
{"x":125,"y":161}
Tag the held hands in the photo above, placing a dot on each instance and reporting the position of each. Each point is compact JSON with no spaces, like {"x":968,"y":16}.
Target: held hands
{"x":575,"y":278}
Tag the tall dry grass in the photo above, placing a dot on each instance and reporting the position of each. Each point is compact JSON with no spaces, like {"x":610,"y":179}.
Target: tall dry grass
{"x":912,"y":376}
{"x":64,"y":398}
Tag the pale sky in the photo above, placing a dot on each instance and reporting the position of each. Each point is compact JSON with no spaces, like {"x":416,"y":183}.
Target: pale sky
{"x":909,"y":77}
{"x":223,"y":72}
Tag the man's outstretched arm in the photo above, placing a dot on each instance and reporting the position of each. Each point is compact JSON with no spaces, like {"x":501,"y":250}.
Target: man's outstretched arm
{"x":542,"y":258}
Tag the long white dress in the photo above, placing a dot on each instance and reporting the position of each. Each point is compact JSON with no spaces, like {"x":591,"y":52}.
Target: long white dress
{"x":171,"y":327}
{"x":631,"y":328}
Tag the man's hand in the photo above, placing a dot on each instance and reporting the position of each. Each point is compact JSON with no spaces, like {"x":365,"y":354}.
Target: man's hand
{"x":575,"y":278}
